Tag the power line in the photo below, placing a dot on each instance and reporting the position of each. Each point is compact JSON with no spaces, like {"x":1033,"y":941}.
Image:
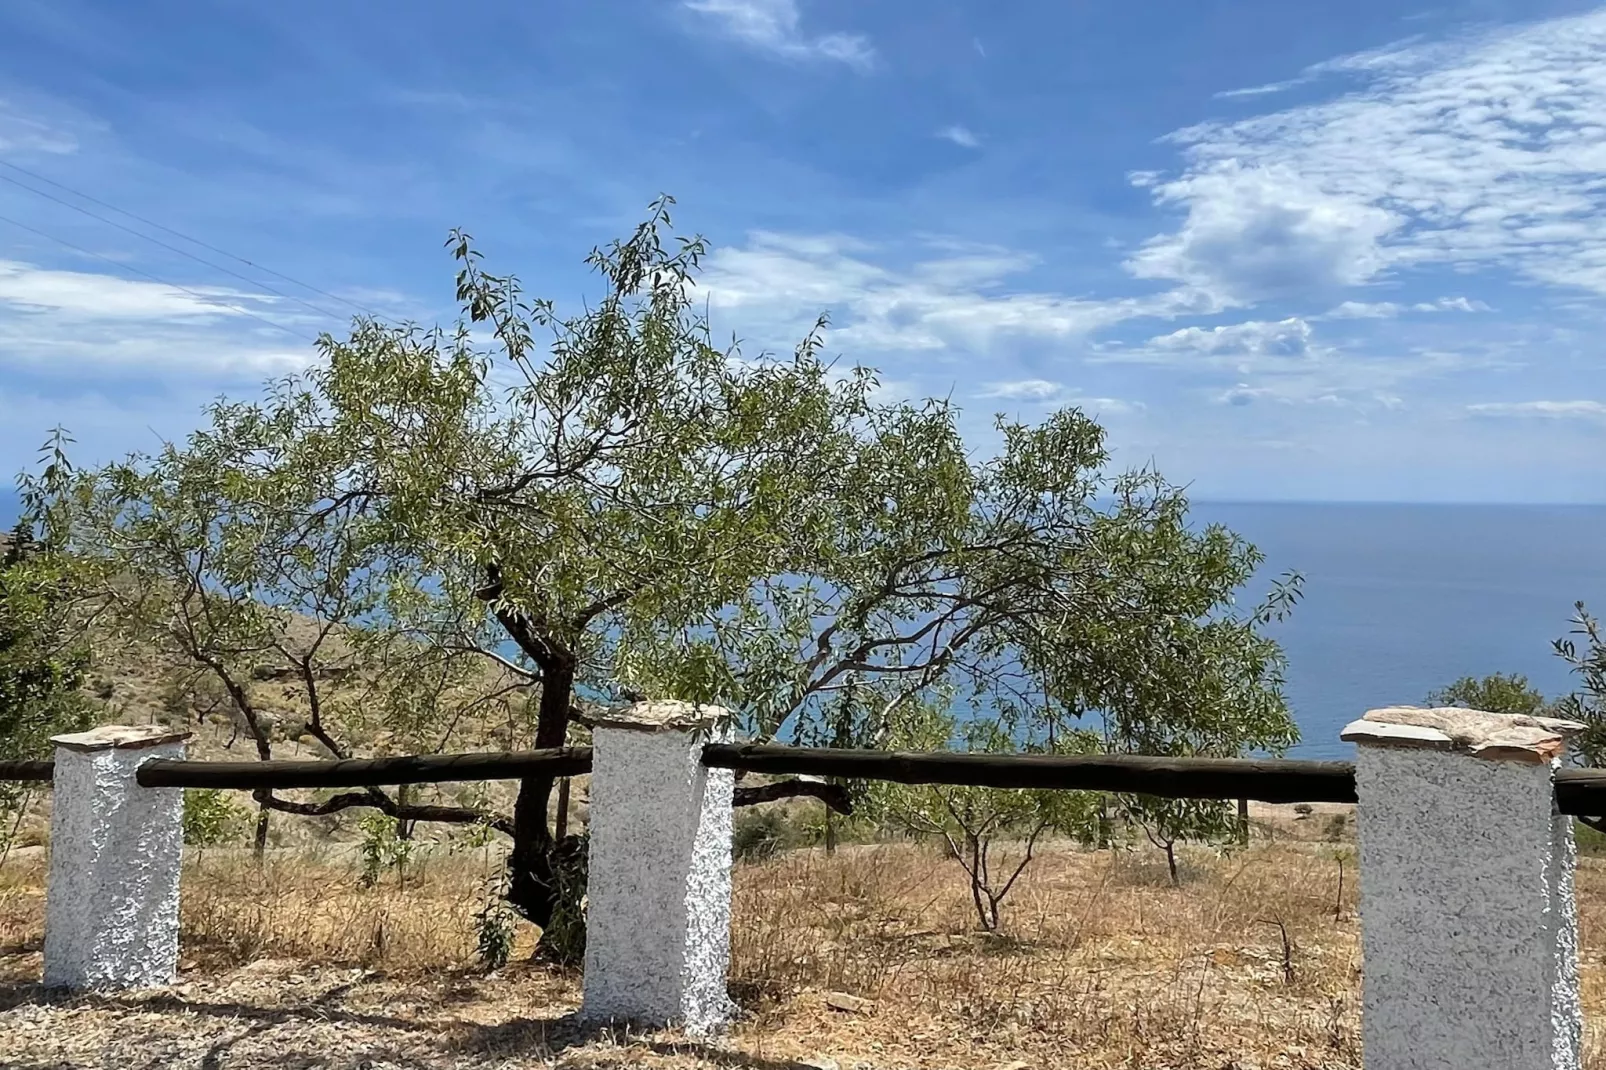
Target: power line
{"x":154,"y":278}
{"x":170,"y":248}
{"x":181,"y":235}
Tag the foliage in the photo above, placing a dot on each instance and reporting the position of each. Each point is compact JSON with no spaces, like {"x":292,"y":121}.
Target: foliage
{"x":609,"y":502}
{"x":973,"y":821}
{"x":563,"y":937}
{"x":382,"y":848}
{"x":211,"y":817}
{"x":43,"y":660}
{"x":494,"y":932}
{"x":759,"y":834}
{"x":1495,"y":693}
{"x":1585,"y":651}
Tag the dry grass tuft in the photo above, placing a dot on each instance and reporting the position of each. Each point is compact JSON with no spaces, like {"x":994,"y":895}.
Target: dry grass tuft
{"x":869,"y":957}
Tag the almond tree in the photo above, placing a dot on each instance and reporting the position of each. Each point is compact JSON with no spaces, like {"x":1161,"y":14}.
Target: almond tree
{"x":606,"y":502}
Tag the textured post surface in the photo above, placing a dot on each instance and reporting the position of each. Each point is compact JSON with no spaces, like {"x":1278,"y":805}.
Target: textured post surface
{"x":659,"y":885}
{"x":111,"y":907}
{"x":1469,"y":934}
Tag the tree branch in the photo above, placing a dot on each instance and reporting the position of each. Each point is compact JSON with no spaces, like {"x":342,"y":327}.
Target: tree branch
{"x":457,"y":815}
{"x":833,"y":795}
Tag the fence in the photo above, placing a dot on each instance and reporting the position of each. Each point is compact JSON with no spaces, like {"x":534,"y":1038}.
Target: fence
{"x":1469,"y":930}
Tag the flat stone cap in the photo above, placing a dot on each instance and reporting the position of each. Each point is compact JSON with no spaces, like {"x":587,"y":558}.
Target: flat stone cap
{"x":1507,"y":737}
{"x":662,"y":715}
{"x":120,"y":737}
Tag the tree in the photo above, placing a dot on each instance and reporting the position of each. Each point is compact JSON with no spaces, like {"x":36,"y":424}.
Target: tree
{"x":1584,"y":650}
{"x":973,"y":821}
{"x":42,"y":658}
{"x":607,"y":502}
{"x":1207,"y":685}
{"x":1495,"y":693}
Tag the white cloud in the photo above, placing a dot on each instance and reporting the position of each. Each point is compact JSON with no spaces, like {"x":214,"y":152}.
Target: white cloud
{"x":960,"y":136}
{"x":1022,"y":390}
{"x":1542,"y":410}
{"x":777,"y":284}
{"x":1376,"y":310}
{"x":1255,"y":233}
{"x":1484,"y":149}
{"x":774,"y":26}
{"x":1243,"y":394}
{"x":56,"y":322}
{"x":1041,"y":391}
{"x":1260,"y":90}
{"x":29,"y":288}
{"x":1285,"y":338}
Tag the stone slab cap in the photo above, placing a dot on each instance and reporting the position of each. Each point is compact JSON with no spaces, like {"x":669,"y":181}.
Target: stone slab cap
{"x":1510,"y":737}
{"x":120,"y":737}
{"x":663,"y":715}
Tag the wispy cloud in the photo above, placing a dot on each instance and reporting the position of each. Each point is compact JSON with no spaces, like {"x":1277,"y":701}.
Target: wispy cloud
{"x":25,"y":131}
{"x":1377,"y":310}
{"x":775,"y":26}
{"x":1483,"y":149}
{"x":1261,"y":90}
{"x":55,"y":323}
{"x":1043,"y":392}
{"x":1541,"y":410}
{"x":1022,"y":390}
{"x":960,"y":136}
{"x":956,"y":297}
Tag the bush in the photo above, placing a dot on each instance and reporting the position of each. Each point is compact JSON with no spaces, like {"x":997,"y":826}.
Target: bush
{"x":211,"y":817}
{"x":760,"y":833}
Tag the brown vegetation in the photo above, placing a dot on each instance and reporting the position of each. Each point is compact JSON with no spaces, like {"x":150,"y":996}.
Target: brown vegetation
{"x":867,"y":957}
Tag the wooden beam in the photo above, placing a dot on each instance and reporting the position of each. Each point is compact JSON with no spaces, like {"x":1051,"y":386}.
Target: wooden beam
{"x":367,"y":772}
{"x":27,"y":770}
{"x":1263,"y":780}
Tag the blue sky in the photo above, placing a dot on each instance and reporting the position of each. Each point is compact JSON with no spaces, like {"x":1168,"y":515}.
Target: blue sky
{"x":1284,"y":251}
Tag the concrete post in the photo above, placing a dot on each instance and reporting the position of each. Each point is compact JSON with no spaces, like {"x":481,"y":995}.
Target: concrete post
{"x":111,"y":906}
{"x":659,"y":885}
{"x":1469,"y":934}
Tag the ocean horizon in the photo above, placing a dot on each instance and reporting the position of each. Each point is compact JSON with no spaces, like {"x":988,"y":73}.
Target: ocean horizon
{"x":1403,"y":598}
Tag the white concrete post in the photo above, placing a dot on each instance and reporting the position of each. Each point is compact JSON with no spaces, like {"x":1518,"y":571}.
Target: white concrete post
{"x":1469,"y":934}
{"x":111,"y":905}
{"x":659,"y":883}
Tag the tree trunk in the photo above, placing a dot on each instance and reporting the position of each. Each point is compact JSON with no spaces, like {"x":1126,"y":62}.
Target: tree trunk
{"x":404,"y":829}
{"x":261,"y":844}
{"x":532,"y":889}
{"x":1171,"y":864}
{"x":1243,"y":822}
{"x":561,"y":824}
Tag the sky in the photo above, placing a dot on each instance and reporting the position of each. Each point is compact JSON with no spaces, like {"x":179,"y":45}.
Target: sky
{"x":1314,"y":251}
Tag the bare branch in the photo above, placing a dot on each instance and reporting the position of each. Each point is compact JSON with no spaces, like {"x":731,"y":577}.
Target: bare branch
{"x":833,"y":795}
{"x":457,"y":815}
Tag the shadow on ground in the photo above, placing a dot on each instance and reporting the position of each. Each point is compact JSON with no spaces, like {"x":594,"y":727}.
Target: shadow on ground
{"x":541,"y":1038}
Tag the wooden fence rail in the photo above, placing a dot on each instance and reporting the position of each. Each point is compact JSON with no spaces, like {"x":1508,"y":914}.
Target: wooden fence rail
{"x":1580,"y":792}
{"x":1270,"y":780}
{"x":27,"y":770}
{"x":366,"y":772}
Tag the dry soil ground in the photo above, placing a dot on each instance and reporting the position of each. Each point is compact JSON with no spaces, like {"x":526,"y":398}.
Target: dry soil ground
{"x":866,"y":958}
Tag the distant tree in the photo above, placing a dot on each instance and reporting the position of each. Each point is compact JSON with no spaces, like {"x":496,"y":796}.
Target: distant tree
{"x":975,"y":823}
{"x":608,"y":503}
{"x":1495,"y":693}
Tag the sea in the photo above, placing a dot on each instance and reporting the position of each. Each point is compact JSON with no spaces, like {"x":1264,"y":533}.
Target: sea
{"x":1402,"y":599}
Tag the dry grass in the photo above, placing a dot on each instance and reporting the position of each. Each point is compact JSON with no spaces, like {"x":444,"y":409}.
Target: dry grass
{"x":1254,"y":961}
